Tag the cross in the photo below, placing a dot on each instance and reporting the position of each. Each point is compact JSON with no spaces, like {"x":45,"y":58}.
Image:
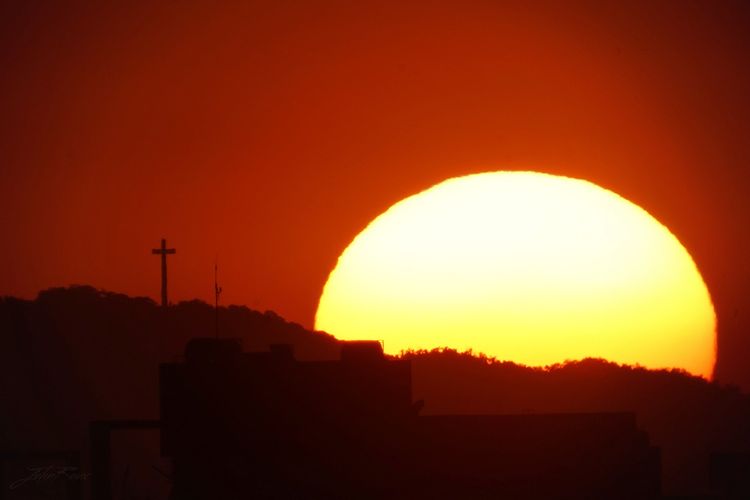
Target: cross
{"x":163,"y":251}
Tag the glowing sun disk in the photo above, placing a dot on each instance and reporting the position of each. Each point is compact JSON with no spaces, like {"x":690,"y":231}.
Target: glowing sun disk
{"x":527,"y":267}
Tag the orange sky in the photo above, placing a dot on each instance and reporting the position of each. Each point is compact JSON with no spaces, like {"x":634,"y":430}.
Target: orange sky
{"x":272,"y":134}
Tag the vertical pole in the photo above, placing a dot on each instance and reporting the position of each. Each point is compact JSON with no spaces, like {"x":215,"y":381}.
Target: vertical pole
{"x":101,"y":485}
{"x":216,"y":291}
{"x":74,"y":486}
{"x":164,"y":302}
{"x":3,"y":482}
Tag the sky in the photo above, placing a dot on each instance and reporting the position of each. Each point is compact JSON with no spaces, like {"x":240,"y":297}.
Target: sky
{"x":266,"y":135}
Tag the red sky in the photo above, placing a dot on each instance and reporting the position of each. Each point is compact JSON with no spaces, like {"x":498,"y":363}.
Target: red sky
{"x":271,"y":133}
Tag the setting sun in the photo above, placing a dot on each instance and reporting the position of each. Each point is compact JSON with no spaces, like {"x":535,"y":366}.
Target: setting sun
{"x":527,"y":267}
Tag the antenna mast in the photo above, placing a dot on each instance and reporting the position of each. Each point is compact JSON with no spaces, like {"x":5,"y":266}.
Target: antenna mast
{"x":217,"y":291}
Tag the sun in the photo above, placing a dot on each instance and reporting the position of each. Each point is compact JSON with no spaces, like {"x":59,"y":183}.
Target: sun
{"x":526,"y":267}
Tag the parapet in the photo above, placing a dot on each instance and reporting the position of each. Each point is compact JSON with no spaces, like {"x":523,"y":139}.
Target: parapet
{"x":361,"y":351}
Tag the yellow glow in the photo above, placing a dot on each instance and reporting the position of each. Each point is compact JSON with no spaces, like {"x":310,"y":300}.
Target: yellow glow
{"x":527,"y":267}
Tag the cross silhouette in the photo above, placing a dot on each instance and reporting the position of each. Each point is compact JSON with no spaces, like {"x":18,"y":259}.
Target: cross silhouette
{"x":163,"y":251}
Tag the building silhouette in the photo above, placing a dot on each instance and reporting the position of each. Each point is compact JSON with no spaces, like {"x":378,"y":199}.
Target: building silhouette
{"x":265,"y":425}
{"x":730,"y":474}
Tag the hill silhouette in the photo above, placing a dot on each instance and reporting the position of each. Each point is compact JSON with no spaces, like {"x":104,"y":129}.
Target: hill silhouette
{"x":78,"y":354}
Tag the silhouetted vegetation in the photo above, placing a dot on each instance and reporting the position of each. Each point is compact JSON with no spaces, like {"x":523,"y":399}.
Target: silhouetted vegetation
{"x":77,"y":354}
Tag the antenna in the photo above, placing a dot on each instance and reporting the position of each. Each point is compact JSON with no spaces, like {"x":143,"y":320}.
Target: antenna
{"x":217,"y":291}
